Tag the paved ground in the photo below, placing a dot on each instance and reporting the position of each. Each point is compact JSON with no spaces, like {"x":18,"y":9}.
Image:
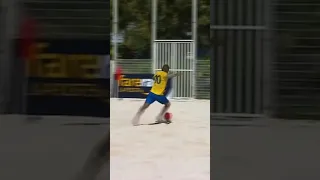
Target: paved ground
{"x":284,"y":151}
{"x":52,"y":149}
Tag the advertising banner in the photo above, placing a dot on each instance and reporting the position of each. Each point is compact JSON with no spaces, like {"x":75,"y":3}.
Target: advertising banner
{"x":68,"y":96}
{"x":69,"y":77}
{"x":137,"y":85}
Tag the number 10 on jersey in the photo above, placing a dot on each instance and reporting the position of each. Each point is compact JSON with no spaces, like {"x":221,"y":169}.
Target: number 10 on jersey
{"x":157,"y":79}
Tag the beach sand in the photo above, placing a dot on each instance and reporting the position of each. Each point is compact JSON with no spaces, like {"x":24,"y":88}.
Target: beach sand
{"x":176,"y":151}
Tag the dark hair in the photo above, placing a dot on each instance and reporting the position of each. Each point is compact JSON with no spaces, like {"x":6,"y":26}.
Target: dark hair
{"x":166,"y":66}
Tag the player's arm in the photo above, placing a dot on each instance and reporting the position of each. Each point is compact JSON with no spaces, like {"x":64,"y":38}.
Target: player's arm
{"x":172,"y":75}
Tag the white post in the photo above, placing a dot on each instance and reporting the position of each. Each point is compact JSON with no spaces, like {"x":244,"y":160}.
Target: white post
{"x":115,"y":30}
{"x":154,"y":14}
{"x":115,"y":42}
{"x":194,"y":38}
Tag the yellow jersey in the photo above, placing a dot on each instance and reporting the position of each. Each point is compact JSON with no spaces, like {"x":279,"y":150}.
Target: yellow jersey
{"x":160,"y":80}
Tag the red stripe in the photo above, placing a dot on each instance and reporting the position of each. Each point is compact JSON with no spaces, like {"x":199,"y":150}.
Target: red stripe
{"x":27,"y":34}
{"x":118,"y":73}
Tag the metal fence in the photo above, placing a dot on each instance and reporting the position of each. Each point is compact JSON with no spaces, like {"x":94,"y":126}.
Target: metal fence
{"x":241,"y":58}
{"x":297,"y":64}
{"x":265,"y":58}
{"x":180,"y":56}
{"x":141,"y":66}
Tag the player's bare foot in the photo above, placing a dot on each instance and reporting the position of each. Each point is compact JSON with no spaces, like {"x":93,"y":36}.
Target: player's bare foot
{"x":135,"y":121}
{"x":135,"y":124}
{"x":159,"y":119}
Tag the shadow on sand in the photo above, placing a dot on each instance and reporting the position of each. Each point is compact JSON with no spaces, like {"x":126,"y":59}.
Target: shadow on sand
{"x":155,"y":123}
{"x":84,"y":124}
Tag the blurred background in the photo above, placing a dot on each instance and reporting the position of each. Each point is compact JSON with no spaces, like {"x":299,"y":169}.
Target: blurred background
{"x":43,"y":40}
{"x":265,"y":89}
{"x":54,"y":58}
{"x":265,"y":59}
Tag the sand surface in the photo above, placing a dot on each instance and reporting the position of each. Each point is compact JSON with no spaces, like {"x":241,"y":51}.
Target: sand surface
{"x":178,"y":151}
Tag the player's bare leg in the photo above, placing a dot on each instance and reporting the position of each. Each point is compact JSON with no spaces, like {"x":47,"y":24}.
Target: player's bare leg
{"x":142,"y":109}
{"x":164,"y":109}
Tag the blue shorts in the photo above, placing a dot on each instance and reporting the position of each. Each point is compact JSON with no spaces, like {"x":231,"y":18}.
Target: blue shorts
{"x":151,"y":98}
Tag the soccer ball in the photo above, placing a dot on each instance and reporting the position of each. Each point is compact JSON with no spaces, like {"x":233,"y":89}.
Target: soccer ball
{"x":168,"y":117}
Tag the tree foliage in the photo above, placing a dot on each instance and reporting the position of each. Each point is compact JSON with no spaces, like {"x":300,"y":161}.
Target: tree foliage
{"x":173,"y":22}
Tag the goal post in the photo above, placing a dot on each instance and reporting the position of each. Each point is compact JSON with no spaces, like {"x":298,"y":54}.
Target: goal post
{"x":180,"y":56}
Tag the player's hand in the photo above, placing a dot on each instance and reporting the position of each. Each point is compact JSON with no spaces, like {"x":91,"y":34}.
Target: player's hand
{"x":178,"y":73}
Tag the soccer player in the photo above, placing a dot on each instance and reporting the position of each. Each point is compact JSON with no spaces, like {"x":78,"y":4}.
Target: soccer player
{"x":156,"y":93}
